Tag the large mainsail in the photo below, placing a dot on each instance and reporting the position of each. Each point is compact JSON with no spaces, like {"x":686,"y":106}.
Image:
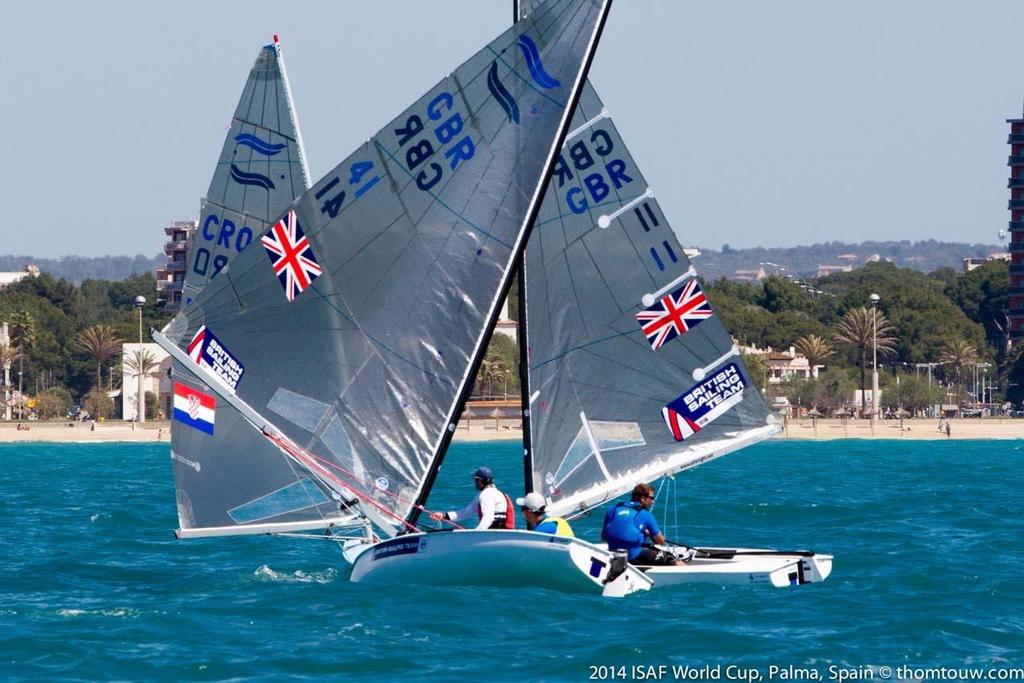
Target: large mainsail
{"x":631,"y":375}
{"x":350,"y":331}
{"x":228,"y":478}
{"x":261,"y":170}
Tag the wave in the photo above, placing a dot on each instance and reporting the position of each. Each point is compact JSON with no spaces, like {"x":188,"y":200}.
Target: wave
{"x":534,"y":63}
{"x":265,"y":573}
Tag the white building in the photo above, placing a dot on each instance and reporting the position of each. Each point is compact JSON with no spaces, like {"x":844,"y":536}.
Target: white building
{"x":156,"y":381}
{"x":11,"y":278}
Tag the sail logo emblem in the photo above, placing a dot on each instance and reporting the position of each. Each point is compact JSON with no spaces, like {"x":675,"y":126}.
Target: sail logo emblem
{"x":535,"y":65}
{"x":674,"y":314}
{"x":194,"y":408}
{"x":209,"y":352}
{"x":502,"y":95}
{"x":291,"y":256}
{"x":255,"y":179}
{"x":258,"y":145}
{"x":700,"y":405}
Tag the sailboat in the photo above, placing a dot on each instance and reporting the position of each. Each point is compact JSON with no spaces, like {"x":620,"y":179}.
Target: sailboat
{"x":229,"y":480}
{"x":630,"y":374}
{"x":341,"y":345}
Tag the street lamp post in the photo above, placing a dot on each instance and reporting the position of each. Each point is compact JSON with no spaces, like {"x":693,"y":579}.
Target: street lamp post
{"x":874,"y":357}
{"x":140,"y":412}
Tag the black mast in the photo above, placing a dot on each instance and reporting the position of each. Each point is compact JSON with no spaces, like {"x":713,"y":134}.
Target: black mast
{"x":524,"y":351}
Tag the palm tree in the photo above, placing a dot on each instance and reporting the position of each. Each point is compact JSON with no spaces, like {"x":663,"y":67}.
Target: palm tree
{"x":958,"y":353}
{"x":23,"y":334}
{"x":142,"y":363}
{"x":814,"y":348}
{"x":7,"y":356}
{"x":860,"y":329}
{"x":101,"y":344}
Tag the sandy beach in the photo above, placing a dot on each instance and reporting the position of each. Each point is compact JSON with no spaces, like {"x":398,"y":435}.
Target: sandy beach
{"x":490,"y":429}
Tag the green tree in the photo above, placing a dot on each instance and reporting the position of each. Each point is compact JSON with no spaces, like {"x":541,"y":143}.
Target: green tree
{"x":142,"y":364}
{"x":98,"y":404}
{"x":101,"y":344}
{"x":959,"y":354}
{"x":757,"y":366}
{"x":862,"y":329}
{"x":911,"y":394}
{"x":23,"y":333}
{"x":53,"y":402}
{"x":814,"y":348}
{"x":983,"y":295}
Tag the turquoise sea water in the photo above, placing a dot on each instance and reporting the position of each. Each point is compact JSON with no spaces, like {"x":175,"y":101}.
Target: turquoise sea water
{"x":928,"y":540}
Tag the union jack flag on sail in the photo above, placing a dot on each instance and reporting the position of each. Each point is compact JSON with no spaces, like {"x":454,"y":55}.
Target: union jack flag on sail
{"x":291,"y":256}
{"x":674,"y":314}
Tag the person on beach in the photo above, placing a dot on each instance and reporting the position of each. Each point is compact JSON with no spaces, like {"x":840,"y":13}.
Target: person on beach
{"x":532,"y":505}
{"x":491,"y":506}
{"x":948,"y":430}
{"x":629,"y":525}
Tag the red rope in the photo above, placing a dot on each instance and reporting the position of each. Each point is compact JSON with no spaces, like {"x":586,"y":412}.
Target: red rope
{"x":324,"y":462}
{"x":311,"y":460}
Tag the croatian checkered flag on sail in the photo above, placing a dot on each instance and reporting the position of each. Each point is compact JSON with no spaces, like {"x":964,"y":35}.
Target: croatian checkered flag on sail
{"x":674,"y":314}
{"x":291,"y":256}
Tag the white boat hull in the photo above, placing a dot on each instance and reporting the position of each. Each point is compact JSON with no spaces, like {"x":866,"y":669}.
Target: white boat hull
{"x":493,"y":558}
{"x":746,"y":566}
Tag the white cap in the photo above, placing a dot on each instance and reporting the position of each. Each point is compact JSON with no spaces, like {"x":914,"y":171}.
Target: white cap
{"x":532,"y":501}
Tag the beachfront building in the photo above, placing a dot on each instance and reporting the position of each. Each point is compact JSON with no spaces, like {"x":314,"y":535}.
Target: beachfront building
{"x":16,"y":276}
{"x":1016,"y":207}
{"x":155,"y":380}
{"x":784,"y":366}
{"x":170,"y":277}
{"x":505,"y":325}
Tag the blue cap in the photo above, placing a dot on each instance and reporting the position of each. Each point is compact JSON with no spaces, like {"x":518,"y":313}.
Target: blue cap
{"x":483,"y":473}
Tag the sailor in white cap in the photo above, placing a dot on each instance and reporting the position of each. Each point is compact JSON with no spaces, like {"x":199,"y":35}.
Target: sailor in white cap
{"x":537,"y":520}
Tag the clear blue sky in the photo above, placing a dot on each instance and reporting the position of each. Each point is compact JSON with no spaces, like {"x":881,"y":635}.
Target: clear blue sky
{"x":756,"y":123}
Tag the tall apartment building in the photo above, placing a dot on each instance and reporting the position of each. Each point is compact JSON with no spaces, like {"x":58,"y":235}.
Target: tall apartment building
{"x":1016,"y":206}
{"x":170,"y":278}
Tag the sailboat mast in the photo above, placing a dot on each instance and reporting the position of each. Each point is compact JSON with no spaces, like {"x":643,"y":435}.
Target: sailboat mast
{"x":519,"y":249}
{"x":524,"y":356}
{"x":524,"y":378}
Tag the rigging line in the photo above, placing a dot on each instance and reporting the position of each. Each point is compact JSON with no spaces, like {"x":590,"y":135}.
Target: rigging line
{"x":295,"y":453}
{"x":333,"y":465}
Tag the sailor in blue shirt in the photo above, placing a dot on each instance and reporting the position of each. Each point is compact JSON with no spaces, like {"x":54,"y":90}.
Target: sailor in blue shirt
{"x":628,"y":525}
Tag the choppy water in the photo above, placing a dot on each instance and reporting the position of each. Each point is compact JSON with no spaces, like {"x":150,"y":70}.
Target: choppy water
{"x":928,"y":572}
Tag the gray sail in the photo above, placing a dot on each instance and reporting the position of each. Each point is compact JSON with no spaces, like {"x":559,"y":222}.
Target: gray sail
{"x":261,"y":170}
{"x":631,"y":374}
{"x":228,"y":478}
{"x":350,"y":331}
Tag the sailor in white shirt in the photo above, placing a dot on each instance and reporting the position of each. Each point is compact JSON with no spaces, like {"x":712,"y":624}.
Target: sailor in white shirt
{"x":492,"y":507}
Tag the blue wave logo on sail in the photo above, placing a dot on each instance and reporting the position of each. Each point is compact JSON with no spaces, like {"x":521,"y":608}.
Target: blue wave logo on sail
{"x":256,"y":144}
{"x":502,"y":95}
{"x":534,"y":63}
{"x":240,"y":176}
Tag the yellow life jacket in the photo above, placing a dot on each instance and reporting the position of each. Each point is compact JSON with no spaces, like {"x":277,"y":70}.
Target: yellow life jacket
{"x":562,"y":527}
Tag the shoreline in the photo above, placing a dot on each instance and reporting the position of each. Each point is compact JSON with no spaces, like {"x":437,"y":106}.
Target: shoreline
{"x":491,"y":429}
